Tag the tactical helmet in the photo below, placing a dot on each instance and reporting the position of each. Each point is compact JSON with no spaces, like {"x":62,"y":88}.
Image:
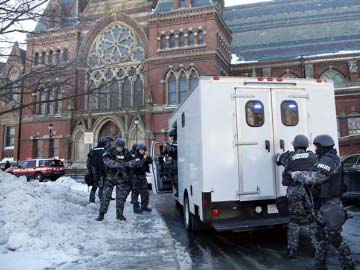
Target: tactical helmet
{"x":102,"y":141}
{"x":141,"y":146}
{"x":324,"y":141}
{"x":134,"y":147}
{"x":109,"y":138}
{"x":173,"y":134}
{"x":119,"y":143}
{"x":301,"y":141}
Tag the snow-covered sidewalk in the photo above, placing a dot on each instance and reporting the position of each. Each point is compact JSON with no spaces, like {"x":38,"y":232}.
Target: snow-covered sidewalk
{"x":51,"y":226}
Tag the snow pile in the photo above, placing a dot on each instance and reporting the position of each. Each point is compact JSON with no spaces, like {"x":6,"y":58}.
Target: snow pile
{"x":55,"y":218}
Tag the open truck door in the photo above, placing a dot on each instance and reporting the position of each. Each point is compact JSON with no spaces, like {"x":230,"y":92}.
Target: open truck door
{"x":161,"y":174}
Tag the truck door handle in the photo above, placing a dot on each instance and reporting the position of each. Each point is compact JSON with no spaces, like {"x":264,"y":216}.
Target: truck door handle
{"x":282,"y":145}
{"x":267,"y":145}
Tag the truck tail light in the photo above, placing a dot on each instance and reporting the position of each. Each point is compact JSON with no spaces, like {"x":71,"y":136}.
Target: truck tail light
{"x":270,"y":79}
{"x":216,"y":78}
{"x":205,"y":202}
{"x":279,"y":79}
{"x":319,"y":81}
{"x":260,"y":79}
{"x":216,"y":212}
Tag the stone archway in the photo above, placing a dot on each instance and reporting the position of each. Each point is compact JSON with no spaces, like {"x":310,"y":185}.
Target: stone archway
{"x":110,"y":129}
{"x":80,"y":149}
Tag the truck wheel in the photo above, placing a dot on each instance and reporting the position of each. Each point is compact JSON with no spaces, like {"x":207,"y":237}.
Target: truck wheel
{"x":38,"y":176}
{"x":177,"y":204}
{"x":187,"y":215}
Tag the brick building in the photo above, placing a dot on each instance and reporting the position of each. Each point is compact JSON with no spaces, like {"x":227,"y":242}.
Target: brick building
{"x":129,"y":63}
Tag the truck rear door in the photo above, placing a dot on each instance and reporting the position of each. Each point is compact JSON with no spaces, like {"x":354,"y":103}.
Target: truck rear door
{"x":289,"y":119}
{"x":267,"y":119}
{"x":255,"y":144}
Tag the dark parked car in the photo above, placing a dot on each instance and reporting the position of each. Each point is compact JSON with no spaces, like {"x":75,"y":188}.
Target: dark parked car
{"x":352,"y":176}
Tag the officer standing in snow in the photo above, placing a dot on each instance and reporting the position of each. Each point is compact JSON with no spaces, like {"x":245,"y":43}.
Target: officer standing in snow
{"x":325,"y":178}
{"x":299,"y":208}
{"x":96,"y":168}
{"x":117,"y":165}
{"x":140,"y":186}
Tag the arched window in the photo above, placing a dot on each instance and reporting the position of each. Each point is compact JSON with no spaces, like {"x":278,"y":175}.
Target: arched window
{"x":201,"y":37}
{"x":126,"y":93}
{"x":57,"y":56}
{"x":43,"y":56}
{"x":181,"y":39}
{"x":193,"y":80}
{"x":139,"y":92}
{"x":182,"y":87}
{"x":191,"y":38}
{"x":172,"y":41}
{"x":172,"y":100}
{"x":163,"y":44}
{"x":36,"y":59}
{"x":334,"y":76}
{"x":289,"y":75}
{"x":65,"y":55}
{"x":181,"y":3}
{"x":92,"y":97}
{"x":50,"y":57}
{"x":103,"y":96}
{"x":114,"y":94}
{"x":57,"y":99}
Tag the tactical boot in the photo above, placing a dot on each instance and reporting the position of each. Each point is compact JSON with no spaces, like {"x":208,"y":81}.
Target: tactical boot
{"x":137,"y":209}
{"x":146,"y":209}
{"x":121,"y":218}
{"x":100,"y":217}
{"x":291,"y":253}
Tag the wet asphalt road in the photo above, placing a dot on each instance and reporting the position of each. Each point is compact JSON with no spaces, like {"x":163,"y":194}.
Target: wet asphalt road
{"x":257,"y":250}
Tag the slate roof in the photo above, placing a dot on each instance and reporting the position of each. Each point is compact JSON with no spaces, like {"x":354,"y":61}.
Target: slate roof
{"x":70,"y":12}
{"x":283,"y":29}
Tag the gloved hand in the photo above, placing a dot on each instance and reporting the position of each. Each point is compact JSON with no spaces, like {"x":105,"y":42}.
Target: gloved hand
{"x":297,"y":177}
{"x":121,"y":168}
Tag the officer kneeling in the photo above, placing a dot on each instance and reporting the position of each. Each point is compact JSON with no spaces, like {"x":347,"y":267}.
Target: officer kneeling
{"x":116,"y":160}
{"x":298,"y":205}
{"x":326,"y":182}
{"x":139,"y":181}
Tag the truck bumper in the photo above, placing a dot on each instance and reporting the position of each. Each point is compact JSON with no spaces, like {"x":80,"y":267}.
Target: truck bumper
{"x":238,"y":224}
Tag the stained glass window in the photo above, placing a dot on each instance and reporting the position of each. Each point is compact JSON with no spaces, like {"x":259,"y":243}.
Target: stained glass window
{"x":182,"y":87}
{"x":139,"y":92}
{"x":172,"y":90}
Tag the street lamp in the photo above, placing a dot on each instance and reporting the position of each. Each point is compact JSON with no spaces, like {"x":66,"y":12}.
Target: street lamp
{"x":51,"y":140}
{"x":137,"y":123}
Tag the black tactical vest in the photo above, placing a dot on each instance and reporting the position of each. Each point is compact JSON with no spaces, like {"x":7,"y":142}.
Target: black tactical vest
{"x":298,"y":161}
{"x":330,"y":164}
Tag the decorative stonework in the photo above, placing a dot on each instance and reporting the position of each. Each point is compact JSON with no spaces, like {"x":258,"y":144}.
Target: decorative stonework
{"x":353,"y":66}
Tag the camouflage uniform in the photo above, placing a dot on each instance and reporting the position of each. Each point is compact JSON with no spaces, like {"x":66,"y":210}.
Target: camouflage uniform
{"x":299,"y":208}
{"x":140,"y":186}
{"x":116,"y":176}
{"x":326,"y":179}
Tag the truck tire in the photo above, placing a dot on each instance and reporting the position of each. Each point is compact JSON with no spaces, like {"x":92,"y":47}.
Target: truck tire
{"x":187,"y":214}
{"x":39,"y":176}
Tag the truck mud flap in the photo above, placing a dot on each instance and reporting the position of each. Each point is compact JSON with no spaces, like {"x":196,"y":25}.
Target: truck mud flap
{"x":248,"y":224}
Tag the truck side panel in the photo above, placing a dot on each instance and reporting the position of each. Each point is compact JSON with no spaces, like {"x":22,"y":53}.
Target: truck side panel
{"x":219,"y":152}
{"x":190,"y":170}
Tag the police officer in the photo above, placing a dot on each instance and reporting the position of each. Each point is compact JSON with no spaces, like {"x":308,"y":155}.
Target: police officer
{"x":140,"y":186}
{"x":116,"y":161}
{"x":299,"y":207}
{"x":326,"y":180}
{"x":96,"y":168}
{"x":109,"y":143}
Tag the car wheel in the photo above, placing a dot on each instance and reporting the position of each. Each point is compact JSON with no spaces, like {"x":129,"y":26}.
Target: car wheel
{"x":38,"y":176}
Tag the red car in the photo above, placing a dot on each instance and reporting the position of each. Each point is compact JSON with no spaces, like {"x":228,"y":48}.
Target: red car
{"x":39,"y":169}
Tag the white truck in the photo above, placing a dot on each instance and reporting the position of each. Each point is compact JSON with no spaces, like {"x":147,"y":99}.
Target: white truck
{"x":229,"y":131}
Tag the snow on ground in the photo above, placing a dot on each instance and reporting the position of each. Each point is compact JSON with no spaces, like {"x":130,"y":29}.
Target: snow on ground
{"x":51,"y":226}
